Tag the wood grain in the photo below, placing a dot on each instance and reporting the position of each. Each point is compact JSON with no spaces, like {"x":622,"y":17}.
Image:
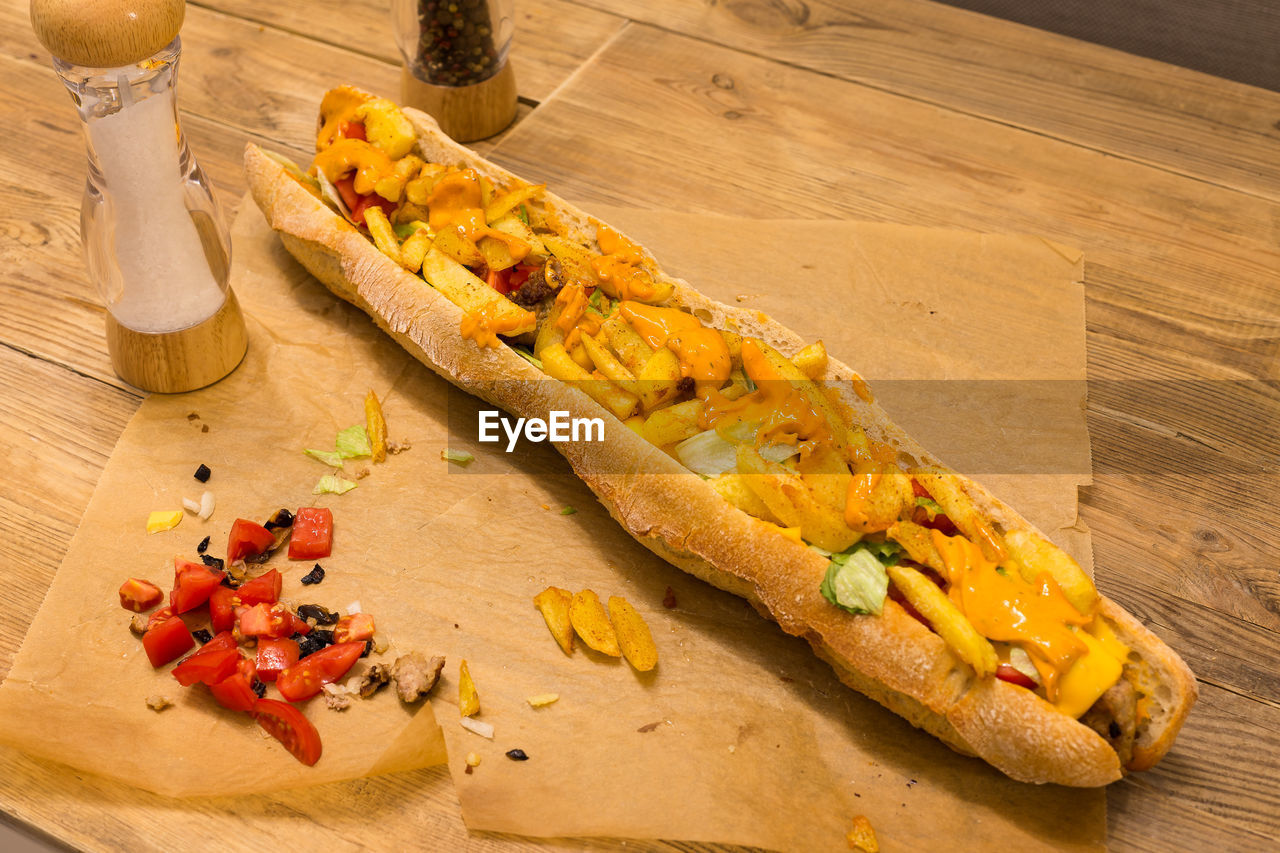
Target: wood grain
{"x":1140,"y":109}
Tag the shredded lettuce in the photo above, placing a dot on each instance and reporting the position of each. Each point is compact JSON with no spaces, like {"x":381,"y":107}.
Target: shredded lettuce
{"x":328,"y":457}
{"x":457,"y":457}
{"x":332,"y":484}
{"x":929,"y":504}
{"x":568,"y":511}
{"x":710,"y":454}
{"x":523,"y":214}
{"x":406,"y":229}
{"x":528,"y":356}
{"x":353,"y":442}
{"x":856,"y":579}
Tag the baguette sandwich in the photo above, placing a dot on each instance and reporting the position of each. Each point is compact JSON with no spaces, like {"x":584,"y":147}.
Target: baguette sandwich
{"x":732,"y":450}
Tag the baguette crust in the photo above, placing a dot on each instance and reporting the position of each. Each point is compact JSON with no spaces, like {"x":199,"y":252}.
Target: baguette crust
{"x":892,"y":659}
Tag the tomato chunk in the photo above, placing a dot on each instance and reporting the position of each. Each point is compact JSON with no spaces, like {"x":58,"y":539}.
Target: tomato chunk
{"x":222,"y":605}
{"x":357,"y":626}
{"x":193,"y":583}
{"x":208,"y":667}
{"x":264,"y":588}
{"x":235,"y":692}
{"x":221,"y":640}
{"x":275,"y":656}
{"x":351,"y":130}
{"x":270,"y":620}
{"x":139,"y":595}
{"x":306,"y":677}
{"x":167,"y":641}
{"x":1006,"y":672}
{"x":312,"y":536}
{"x":159,"y":616}
{"x":286,"y":724}
{"x":248,"y":539}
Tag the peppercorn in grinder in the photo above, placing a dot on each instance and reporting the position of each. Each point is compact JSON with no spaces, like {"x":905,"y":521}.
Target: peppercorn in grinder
{"x":154,"y":242}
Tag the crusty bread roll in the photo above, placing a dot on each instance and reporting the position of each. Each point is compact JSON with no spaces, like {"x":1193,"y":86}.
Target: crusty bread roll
{"x":892,"y":658}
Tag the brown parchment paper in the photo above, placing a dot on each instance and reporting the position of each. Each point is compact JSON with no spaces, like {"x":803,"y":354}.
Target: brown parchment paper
{"x":739,"y":736}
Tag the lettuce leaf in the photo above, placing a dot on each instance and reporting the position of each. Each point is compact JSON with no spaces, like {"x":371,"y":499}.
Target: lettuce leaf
{"x":328,"y":457}
{"x":332,"y":484}
{"x":856,"y":579}
{"x":353,"y":442}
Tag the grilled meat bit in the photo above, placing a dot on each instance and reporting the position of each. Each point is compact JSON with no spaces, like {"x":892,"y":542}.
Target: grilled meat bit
{"x":540,"y":284}
{"x":138,"y":625}
{"x":416,"y":676}
{"x":373,"y":680}
{"x":1114,"y":716}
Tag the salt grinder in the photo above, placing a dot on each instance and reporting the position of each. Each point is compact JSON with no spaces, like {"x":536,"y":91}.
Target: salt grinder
{"x":154,"y":242}
{"x":455,"y":63}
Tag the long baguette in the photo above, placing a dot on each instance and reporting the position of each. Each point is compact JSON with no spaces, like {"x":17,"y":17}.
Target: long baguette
{"x":892,"y":658}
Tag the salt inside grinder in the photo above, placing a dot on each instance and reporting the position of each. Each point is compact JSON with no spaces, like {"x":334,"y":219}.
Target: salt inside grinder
{"x":154,"y":242}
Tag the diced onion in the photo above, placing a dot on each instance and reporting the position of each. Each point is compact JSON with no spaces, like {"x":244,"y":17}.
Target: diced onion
{"x":206,"y":506}
{"x":1021,"y":661}
{"x":353,"y":608}
{"x":191,"y":506}
{"x":479,"y":727}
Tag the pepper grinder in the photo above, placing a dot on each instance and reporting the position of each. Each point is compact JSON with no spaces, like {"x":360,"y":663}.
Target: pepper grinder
{"x":154,"y":242}
{"x":455,"y":63}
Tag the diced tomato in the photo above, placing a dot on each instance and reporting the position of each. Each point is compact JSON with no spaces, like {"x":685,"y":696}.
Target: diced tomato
{"x":222,"y":604}
{"x":1006,"y":672}
{"x":939,"y":522}
{"x":519,"y":275}
{"x":264,"y":588}
{"x":351,"y":130}
{"x":139,"y":595}
{"x":286,"y":724}
{"x":312,"y":537}
{"x":918,"y":490}
{"x":275,"y":656}
{"x":357,"y":203}
{"x":159,"y":616}
{"x":235,"y":692}
{"x":306,"y":677}
{"x":208,"y":667}
{"x":357,"y":626}
{"x":248,"y":539}
{"x":193,"y":583}
{"x":267,"y":620}
{"x":346,"y":188}
{"x":167,"y":641}
{"x":499,"y":280}
{"x":221,"y":640}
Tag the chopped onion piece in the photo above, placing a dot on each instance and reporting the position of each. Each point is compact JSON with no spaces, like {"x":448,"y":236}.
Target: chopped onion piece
{"x":353,"y":608}
{"x":479,"y":727}
{"x":206,"y":506}
{"x":191,"y":506}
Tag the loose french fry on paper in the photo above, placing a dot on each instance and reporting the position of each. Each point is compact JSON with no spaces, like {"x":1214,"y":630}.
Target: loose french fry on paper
{"x":633,"y":634}
{"x":592,"y":623}
{"x":468,"y":698}
{"x":553,"y":603}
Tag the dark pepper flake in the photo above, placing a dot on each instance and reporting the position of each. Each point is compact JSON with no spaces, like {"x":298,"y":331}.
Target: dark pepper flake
{"x":229,"y":582}
{"x":202,"y":473}
{"x":281,"y":518}
{"x":202,"y":635}
{"x":517,"y":755}
{"x":204,"y":427}
{"x":669,"y":600}
{"x":314,"y":576}
{"x":203,"y":546}
{"x":215,"y":563}
{"x":313,"y":642}
{"x":368,"y":648}
{"x":259,"y":688}
{"x":318,"y":613}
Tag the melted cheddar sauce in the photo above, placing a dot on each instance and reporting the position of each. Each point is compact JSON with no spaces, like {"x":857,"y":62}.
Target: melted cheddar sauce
{"x":785,"y":414}
{"x":619,"y":268}
{"x":704,"y":356}
{"x":484,"y":326}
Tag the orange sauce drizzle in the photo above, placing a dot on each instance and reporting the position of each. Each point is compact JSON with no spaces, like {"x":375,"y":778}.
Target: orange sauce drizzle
{"x":1003,"y":606}
{"x":785,"y":414}
{"x":455,"y":202}
{"x":344,"y":155}
{"x":485,"y":325}
{"x":859,"y":495}
{"x":703,"y":354}
{"x":619,"y":269}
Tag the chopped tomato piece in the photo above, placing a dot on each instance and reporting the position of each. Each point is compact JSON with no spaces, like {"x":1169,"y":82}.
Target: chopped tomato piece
{"x":275,"y":656}
{"x":159,"y":616}
{"x":208,"y":667}
{"x":248,"y":539}
{"x":351,"y":130}
{"x":306,"y":677}
{"x":193,"y":583}
{"x":222,"y":604}
{"x":357,"y":626}
{"x":346,"y":188}
{"x":286,"y":724}
{"x":167,"y":641}
{"x":235,"y":692}
{"x":499,"y":280}
{"x":918,"y":490}
{"x":1006,"y":672}
{"x":939,"y":522}
{"x":312,"y":537}
{"x":221,"y":640}
{"x":139,"y":595}
{"x":268,"y":620}
{"x":264,"y":588}
{"x":357,"y":203}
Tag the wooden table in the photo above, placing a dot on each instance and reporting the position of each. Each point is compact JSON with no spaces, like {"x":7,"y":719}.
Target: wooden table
{"x":897,"y":110}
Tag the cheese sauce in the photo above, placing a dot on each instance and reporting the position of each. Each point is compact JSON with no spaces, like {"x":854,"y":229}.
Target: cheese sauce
{"x":618,"y":268}
{"x":485,"y":325}
{"x":703,"y":354}
{"x":785,"y":414}
{"x":342,"y":156}
{"x":456,"y":202}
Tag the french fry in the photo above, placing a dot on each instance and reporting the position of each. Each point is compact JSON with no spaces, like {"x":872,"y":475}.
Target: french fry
{"x":787,"y":371}
{"x":606,"y":363}
{"x":507,"y":202}
{"x":384,"y":236}
{"x":827,"y":476}
{"x":812,"y":360}
{"x":512,"y":226}
{"x":632,"y":350}
{"x":634,"y":637}
{"x":414,"y":249}
{"x":468,"y":698}
{"x":733,"y":341}
{"x":734,"y":489}
{"x":918,"y":543}
{"x":673,"y":424}
{"x":1036,"y":554}
{"x":418,"y":190}
{"x":659,"y":379}
{"x":790,"y":501}
{"x":592,"y":623}
{"x":461,"y":287}
{"x":737,"y":385}
{"x":497,"y":253}
{"x":391,"y":186}
{"x":553,"y":603}
{"x":451,"y":243}
{"x":560,"y":365}
{"x":946,"y":618}
{"x":375,"y":426}
{"x":578,"y":354}
{"x":566,"y":250}
{"x":878,"y":495}
{"x":959,"y":507}
{"x":550,"y":332}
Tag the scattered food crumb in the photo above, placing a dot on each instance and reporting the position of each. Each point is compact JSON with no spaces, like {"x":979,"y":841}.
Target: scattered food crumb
{"x":202,"y":473}
{"x":473,"y":759}
{"x":648,"y":727}
{"x":203,"y":546}
{"x":732,"y":748}
{"x":205,"y":428}
{"x":669,"y":600}
{"x":457,"y":457}
{"x":415,"y":675}
{"x":543,"y":699}
{"x":394,"y":447}
{"x":786,"y":679}
{"x":361,"y":474}
{"x":479,"y":727}
{"x":202,"y":635}
{"x":158,"y":702}
{"x":568,"y":511}
{"x":314,"y":576}
{"x":161,"y":520}
{"x":192,"y":416}
{"x":337,"y":697}
{"x":862,"y":837}
{"x":517,"y":755}
{"x":373,"y":680}
{"x":545,"y":506}
{"x":138,"y":625}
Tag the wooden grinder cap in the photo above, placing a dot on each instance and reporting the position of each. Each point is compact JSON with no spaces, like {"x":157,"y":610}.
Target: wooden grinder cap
{"x":106,"y":33}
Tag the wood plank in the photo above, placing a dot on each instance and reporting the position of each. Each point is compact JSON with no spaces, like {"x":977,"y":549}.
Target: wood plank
{"x":1155,"y":113}
{"x":552,"y":37}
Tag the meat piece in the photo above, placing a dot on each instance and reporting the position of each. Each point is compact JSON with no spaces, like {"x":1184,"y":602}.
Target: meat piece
{"x":416,"y":676}
{"x":138,"y":625}
{"x":336,"y":697}
{"x":540,"y":284}
{"x":1114,"y":716}
{"x":378,"y":675}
